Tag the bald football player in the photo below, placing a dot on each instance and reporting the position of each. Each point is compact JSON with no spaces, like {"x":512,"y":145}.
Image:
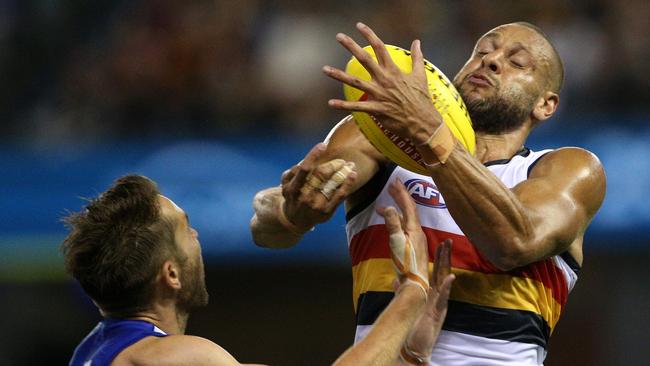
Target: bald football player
{"x":517,"y":216}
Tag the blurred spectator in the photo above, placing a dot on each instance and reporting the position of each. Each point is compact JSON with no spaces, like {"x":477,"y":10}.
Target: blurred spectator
{"x":104,"y":70}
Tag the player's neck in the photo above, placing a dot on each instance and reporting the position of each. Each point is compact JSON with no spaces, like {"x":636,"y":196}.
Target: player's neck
{"x":497,"y":147}
{"x":169,"y":319}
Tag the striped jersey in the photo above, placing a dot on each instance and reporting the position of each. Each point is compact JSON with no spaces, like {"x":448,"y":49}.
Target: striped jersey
{"x":495,"y":317}
{"x":110,"y":337}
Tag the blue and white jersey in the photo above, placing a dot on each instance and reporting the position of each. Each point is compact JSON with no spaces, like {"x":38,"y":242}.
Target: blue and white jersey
{"x":110,"y":337}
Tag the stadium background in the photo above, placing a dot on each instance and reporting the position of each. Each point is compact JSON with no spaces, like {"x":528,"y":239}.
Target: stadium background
{"x":214,"y":99}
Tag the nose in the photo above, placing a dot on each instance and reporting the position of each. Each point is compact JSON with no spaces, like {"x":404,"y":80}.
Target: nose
{"x":492,"y":61}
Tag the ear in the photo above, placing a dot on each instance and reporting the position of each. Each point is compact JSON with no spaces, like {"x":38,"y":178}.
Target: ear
{"x":171,"y":275}
{"x":546,"y":105}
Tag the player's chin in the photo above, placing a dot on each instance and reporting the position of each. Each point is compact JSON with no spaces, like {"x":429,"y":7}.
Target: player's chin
{"x":473,"y":94}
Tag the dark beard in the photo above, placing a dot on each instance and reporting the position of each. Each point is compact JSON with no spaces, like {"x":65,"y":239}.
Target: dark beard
{"x":498,"y":114}
{"x":194,"y":293}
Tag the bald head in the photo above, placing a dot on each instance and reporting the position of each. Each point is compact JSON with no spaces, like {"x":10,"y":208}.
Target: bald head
{"x":513,"y":77}
{"x":555,"y":75}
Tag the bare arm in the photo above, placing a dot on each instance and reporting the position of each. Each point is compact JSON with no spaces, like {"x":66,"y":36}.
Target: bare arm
{"x":538,"y":218}
{"x":303,"y":209}
{"x":425,"y":331}
{"x":381,"y":346}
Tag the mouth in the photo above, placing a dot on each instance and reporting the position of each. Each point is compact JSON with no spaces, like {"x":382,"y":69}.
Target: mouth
{"x":479,"y":80}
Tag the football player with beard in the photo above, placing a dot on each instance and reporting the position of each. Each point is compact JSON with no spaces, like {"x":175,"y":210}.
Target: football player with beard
{"x":136,"y":255}
{"x":517,"y":216}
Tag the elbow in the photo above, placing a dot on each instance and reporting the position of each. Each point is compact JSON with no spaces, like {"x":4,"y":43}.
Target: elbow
{"x":515,"y":246}
{"x":506,"y":263}
{"x":513,"y":254}
{"x":271,"y":240}
{"x":259,"y":238}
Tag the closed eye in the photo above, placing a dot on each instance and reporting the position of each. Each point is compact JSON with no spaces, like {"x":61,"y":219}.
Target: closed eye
{"x":519,"y":58}
{"x":517,"y":64}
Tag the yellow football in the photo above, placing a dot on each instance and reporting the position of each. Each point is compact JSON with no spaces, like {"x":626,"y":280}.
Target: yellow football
{"x":445,"y":98}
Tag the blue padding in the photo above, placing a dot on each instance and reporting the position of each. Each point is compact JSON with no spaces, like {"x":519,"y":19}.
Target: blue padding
{"x":215,"y":181}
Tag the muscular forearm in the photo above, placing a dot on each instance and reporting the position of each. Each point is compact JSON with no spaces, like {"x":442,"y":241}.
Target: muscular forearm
{"x":381,"y":346}
{"x":266,"y":228}
{"x":487,"y":211}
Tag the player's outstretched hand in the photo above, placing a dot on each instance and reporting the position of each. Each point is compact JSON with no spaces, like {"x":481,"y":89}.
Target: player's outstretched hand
{"x":402,"y":102}
{"x":313,"y":191}
{"x":425,"y":332}
{"x":408,"y":244}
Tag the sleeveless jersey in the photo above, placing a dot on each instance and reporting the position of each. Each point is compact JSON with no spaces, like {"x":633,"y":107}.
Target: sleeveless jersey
{"x":110,"y":337}
{"x":494,"y":317}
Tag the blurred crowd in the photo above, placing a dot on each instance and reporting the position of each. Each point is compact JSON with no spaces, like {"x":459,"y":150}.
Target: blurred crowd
{"x":80,"y":71}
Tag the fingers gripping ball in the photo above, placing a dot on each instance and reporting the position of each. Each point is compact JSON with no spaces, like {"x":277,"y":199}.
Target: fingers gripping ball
{"x":445,"y":98}
{"x":404,"y":260}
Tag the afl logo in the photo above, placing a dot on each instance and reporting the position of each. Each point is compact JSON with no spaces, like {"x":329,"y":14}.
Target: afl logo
{"x":424,"y":193}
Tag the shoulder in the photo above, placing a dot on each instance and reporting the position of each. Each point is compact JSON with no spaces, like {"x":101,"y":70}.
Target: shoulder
{"x":174,"y":350}
{"x":577,"y":170}
{"x":575,"y":159}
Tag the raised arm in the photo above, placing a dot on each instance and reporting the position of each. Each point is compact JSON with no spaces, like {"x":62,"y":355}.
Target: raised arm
{"x":283,"y":214}
{"x":424,"y":333}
